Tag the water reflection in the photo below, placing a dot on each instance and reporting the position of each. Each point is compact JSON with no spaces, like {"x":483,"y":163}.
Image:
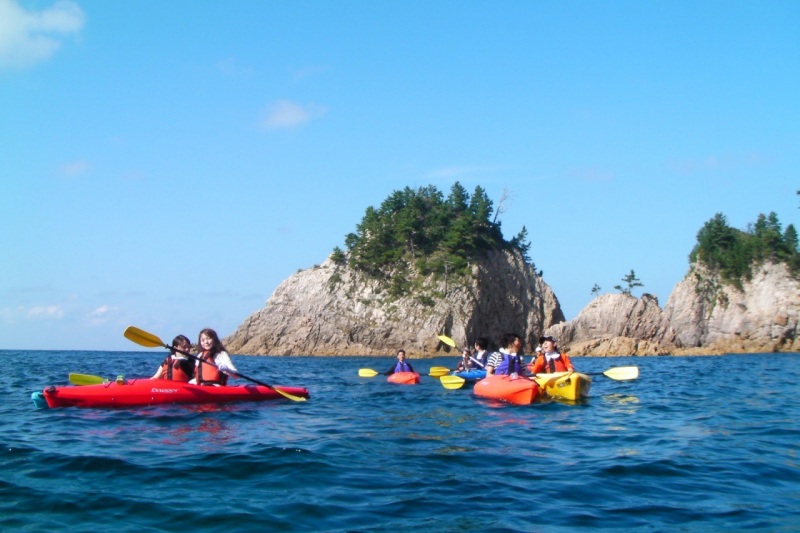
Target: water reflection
{"x":621,"y":403}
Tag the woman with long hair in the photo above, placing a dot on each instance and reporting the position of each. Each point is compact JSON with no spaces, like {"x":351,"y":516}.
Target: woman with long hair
{"x":215,"y":364}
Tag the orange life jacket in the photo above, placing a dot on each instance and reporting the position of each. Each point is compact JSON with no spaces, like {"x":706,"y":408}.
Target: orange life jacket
{"x":206,"y":374}
{"x":562,"y":364}
{"x":174,"y":369}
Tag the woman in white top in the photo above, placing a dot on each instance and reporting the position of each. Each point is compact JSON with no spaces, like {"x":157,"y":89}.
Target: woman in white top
{"x":214,"y":364}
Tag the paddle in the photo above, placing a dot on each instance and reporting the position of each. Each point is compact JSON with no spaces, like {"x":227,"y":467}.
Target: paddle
{"x":452,"y":382}
{"x":543,"y":380}
{"x":621,"y":373}
{"x":618,"y":373}
{"x":149,"y":340}
{"x":86,"y":379}
{"x":368,"y":373}
{"x":438,"y":371}
{"x":450,"y":342}
{"x":447,"y":340}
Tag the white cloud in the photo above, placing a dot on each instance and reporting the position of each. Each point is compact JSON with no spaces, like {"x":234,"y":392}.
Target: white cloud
{"x":74,"y":168}
{"x":284,"y":114}
{"x":46,"y":312}
{"x":230,"y":66}
{"x":102,"y":311}
{"x":28,"y":37}
{"x":101,"y":314}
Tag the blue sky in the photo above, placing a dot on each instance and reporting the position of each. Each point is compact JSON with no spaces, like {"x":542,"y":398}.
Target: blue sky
{"x":168,"y":164}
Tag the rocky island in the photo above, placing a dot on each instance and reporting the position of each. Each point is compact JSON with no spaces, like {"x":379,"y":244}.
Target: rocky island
{"x":422,"y":265}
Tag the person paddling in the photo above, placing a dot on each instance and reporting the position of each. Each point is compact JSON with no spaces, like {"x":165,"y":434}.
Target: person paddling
{"x":177,"y":366}
{"x":215,"y":364}
{"x":481,"y":357}
{"x":466,"y":362}
{"x":550,"y":360}
{"x":509,"y":360}
{"x":401,"y":365}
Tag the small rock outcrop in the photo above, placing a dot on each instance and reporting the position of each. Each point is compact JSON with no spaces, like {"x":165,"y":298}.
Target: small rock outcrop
{"x":335,"y":310}
{"x":617,"y":324}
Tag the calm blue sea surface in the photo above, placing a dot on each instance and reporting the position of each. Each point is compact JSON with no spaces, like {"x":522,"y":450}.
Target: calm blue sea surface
{"x":695,"y":444}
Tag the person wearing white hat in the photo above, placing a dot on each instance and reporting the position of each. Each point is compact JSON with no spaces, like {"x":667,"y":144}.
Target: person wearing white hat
{"x":550,"y":360}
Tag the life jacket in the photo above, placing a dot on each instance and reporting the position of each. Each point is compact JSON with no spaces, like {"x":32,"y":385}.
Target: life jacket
{"x":542,"y":365}
{"x":176,"y":369}
{"x":402,"y":367}
{"x":482,"y":358}
{"x":510,"y":364}
{"x":206,"y":374}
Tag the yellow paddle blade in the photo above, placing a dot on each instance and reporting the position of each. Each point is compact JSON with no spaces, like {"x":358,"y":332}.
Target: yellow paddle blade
{"x":622,"y":373}
{"x":452,"y":382}
{"x":367,"y":373}
{"x":438,"y":371}
{"x":543,"y":380}
{"x":447,"y":340}
{"x":142,"y":337}
{"x":287,"y":395}
{"x":86,"y":379}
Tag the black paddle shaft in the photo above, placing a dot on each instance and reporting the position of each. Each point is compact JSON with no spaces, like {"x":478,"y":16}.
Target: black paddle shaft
{"x":257,"y":382}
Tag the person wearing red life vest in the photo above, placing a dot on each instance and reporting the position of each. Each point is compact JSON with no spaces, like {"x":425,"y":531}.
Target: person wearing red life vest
{"x":550,"y":360}
{"x":214,"y":365}
{"x":177,"y":366}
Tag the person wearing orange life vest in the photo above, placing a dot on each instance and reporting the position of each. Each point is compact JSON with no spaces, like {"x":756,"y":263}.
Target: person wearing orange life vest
{"x":177,"y":366}
{"x":550,"y":360}
{"x":214,"y":364}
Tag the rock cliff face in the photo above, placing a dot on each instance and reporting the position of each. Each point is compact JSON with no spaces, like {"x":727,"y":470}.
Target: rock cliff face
{"x":334,"y":310}
{"x":702,"y":316}
{"x":616,"y":324}
{"x":762,"y":317}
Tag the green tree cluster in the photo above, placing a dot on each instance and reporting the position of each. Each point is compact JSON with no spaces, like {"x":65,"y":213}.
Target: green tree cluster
{"x":436,"y":234}
{"x":733,"y":253}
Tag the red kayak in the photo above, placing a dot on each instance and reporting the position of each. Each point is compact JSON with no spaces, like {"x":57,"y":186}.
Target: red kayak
{"x":142,"y":392}
{"x":404,"y":378}
{"x":520,"y":390}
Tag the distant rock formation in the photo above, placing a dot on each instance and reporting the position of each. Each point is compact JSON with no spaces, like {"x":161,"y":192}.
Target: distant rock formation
{"x":617,"y":324}
{"x":702,"y":316}
{"x":761,"y":317}
{"x":335,"y":310}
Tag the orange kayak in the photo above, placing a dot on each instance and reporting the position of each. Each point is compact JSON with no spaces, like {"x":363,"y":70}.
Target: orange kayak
{"x":519,"y":391}
{"x":404,"y":378}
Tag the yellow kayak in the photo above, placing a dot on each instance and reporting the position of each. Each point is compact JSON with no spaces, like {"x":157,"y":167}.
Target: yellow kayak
{"x":570,"y":386}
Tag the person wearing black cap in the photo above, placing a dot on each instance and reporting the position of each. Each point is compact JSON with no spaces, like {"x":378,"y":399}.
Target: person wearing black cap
{"x":549,"y":360}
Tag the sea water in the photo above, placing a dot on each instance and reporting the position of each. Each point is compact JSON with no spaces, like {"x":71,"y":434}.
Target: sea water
{"x":694,"y":444}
